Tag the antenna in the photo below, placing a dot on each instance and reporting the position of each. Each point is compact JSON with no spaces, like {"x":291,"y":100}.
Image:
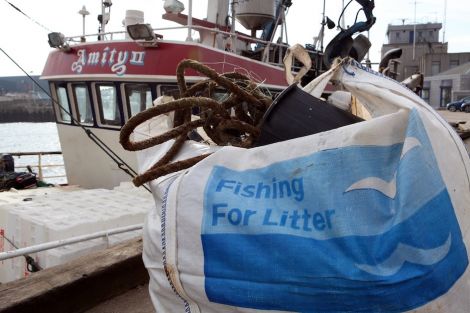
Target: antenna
{"x":323,"y":22}
{"x":104,"y":17}
{"x":445,"y":22}
{"x":83,"y":12}
{"x":414,"y":33}
{"x":343,"y":25}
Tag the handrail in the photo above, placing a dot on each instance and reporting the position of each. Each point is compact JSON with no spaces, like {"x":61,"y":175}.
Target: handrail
{"x":64,"y":242}
{"x":216,"y":30}
{"x":20,"y":154}
{"x":39,"y":165}
{"x":267,"y":44}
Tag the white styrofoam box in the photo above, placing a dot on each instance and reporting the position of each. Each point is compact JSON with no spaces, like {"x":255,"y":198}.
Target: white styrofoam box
{"x":7,"y":267}
{"x":16,"y":196}
{"x":65,"y":254}
{"x":128,"y":187}
{"x":60,"y":215}
{"x":117,"y":238}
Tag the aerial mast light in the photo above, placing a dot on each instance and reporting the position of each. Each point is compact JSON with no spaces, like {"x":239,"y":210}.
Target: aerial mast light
{"x":83,"y":12}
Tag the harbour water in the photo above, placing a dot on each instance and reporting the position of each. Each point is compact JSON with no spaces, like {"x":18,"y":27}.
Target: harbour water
{"x":34,"y":137}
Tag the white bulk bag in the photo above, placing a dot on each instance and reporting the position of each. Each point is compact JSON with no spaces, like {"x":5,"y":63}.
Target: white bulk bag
{"x":371,"y":217}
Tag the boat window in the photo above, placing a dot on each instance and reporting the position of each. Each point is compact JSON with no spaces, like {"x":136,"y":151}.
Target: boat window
{"x":168,"y":90}
{"x":83,"y":103}
{"x":138,"y":98}
{"x":275,"y":93}
{"x":220,"y":95}
{"x":63,"y":104}
{"x":108,"y":106}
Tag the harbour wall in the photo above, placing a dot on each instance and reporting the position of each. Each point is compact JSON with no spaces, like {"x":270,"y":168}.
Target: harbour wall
{"x":24,"y":99}
{"x":14,"y":110}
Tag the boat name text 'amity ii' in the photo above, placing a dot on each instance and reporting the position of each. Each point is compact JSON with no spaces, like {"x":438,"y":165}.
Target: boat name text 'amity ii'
{"x":116,"y":60}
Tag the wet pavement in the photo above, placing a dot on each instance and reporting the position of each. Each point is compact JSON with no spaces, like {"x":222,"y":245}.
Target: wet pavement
{"x":458,"y":117}
{"x":455,"y":116}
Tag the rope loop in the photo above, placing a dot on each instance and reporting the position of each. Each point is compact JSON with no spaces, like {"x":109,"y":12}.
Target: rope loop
{"x":233,"y":120}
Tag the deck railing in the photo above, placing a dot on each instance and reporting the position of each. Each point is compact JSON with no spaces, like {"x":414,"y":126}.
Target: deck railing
{"x":65,"y":242}
{"x":268,"y":46}
{"x":39,"y":165}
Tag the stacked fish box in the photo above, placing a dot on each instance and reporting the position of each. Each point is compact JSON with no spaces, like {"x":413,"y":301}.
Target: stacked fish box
{"x":61,"y":215}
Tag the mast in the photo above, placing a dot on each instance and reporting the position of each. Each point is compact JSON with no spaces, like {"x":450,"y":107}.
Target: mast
{"x":104,"y":17}
{"x":323,"y":22}
{"x":445,"y":22}
{"x":343,"y":24}
{"x":414,"y":35}
{"x":232,"y":28}
{"x":217,"y":11}
{"x":190,"y":20}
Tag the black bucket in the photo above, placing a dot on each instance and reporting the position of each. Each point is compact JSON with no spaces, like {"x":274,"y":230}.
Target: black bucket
{"x":295,"y":113}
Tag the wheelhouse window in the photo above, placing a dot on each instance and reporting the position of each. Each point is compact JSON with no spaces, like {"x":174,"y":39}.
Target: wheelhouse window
{"x":138,"y":98}
{"x":82,"y":103}
{"x":218,"y":94}
{"x":108,"y":105}
{"x":275,"y":93}
{"x":63,"y":105}
{"x":168,"y":90}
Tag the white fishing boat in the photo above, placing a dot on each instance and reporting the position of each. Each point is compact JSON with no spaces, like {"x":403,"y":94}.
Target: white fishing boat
{"x":103,"y":83}
{"x":96,"y":87}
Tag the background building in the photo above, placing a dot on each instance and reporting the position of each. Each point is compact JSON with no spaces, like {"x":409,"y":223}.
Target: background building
{"x":445,"y":74}
{"x":414,"y":48}
{"x":447,"y":86}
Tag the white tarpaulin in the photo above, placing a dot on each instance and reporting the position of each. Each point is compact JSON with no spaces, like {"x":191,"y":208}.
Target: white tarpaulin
{"x":371,"y":217}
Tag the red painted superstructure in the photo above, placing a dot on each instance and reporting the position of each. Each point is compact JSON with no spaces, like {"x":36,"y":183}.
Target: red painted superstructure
{"x":125,"y":58}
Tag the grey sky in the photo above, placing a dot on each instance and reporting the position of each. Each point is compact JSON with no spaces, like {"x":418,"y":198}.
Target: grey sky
{"x":26,"y":42}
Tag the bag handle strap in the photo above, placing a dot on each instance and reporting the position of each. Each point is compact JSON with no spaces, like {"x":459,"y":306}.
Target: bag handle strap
{"x":317,"y":86}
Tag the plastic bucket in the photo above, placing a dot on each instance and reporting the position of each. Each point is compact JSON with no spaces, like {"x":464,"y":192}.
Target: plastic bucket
{"x":295,"y":113}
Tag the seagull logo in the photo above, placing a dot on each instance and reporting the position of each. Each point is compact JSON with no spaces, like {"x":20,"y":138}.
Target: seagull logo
{"x":405,"y":253}
{"x":388,"y":188}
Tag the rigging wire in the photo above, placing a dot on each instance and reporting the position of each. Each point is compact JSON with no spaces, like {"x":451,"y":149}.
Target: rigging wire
{"x":19,"y":10}
{"x":116,"y":158}
{"x":31,"y":265}
{"x":342,"y":13}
